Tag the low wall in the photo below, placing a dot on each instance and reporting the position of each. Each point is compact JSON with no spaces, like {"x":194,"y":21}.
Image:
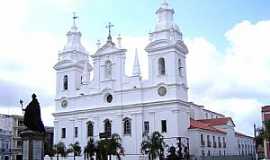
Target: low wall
{"x":227,"y":158}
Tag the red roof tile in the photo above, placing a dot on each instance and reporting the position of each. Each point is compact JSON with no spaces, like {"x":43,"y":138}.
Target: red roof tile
{"x":238,"y":134}
{"x":217,"y":121}
{"x":194,"y":124}
{"x":266,"y":117}
{"x":266,"y":109}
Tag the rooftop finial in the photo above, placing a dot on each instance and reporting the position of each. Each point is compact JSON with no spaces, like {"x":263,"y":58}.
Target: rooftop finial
{"x":109,"y":26}
{"x":119,"y":40}
{"x":136,"y":65}
{"x":74,"y":18}
{"x":164,"y":3}
{"x":74,"y":26}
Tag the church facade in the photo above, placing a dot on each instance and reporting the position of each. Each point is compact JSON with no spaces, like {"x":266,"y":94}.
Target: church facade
{"x":112,"y":102}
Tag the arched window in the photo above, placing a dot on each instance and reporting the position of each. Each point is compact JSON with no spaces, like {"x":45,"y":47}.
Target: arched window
{"x":65,"y":83}
{"x":161,"y":66}
{"x":180,"y":67}
{"x":81,"y":79}
{"x":90,"y":129}
{"x":108,"y":69}
{"x":127,"y":126}
{"x":108,"y":127}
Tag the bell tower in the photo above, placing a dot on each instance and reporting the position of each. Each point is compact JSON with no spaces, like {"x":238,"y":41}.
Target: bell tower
{"x":167,"y":52}
{"x":73,"y":67}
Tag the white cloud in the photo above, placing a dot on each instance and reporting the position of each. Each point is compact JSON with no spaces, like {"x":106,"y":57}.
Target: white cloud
{"x":234,"y":82}
{"x":12,"y":14}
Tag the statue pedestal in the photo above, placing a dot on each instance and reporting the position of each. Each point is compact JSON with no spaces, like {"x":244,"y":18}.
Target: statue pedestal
{"x":33,"y":145}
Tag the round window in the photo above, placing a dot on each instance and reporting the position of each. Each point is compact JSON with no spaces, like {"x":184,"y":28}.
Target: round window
{"x":162,"y":91}
{"x":64,"y":103}
{"x":109,"y":98}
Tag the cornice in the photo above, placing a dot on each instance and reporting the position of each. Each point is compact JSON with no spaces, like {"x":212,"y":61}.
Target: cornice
{"x":120,"y":107}
{"x":123,"y":90}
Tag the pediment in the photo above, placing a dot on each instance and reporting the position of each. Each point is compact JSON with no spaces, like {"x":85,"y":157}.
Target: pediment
{"x":108,"y":48}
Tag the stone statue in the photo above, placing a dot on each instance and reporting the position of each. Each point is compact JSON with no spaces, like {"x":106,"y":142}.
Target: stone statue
{"x":32,"y":117}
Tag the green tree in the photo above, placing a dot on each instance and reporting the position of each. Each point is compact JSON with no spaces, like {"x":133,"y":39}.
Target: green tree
{"x":110,"y":147}
{"x":75,"y":149}
{"x":115,"y":146}
{"x":153,"y":146}
{"x":90,"y":149}
{"x":102,"y":149}
{"x":60,"y":149}
{"x":48,"y":149}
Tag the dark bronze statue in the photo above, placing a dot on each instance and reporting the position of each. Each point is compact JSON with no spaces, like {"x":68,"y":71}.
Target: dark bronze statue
{"x":32,"y":117}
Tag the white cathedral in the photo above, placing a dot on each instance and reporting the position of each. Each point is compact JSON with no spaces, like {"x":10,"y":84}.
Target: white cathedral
{"x":112,"y":102}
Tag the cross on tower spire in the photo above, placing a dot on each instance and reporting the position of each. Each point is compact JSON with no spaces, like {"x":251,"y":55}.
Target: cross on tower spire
{"x":109,"y":26}
{"x":164,"y":3}
{"x":74,"y":19}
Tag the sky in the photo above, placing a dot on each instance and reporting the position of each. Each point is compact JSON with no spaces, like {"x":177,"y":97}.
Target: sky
{"x":227,"y":65}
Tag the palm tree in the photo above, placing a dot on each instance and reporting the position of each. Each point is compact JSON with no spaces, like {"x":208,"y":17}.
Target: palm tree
{"x":102,"y":149}
{"x":48,"y":149}
{"x":108,"y":147}
{"x":76,"y":149}
{"x":60,"y":149}
{"x":90,"y":149}
{"x":153,"y":146}
{"x":115,"y":146}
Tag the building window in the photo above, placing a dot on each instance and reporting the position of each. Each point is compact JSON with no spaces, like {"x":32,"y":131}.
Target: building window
{"x":180,"y":67}
{"x":219,"y":142}
{"x":208,"y":153}
{"x":224,"y":142}
{"x":162,"y":91}
{"x":161,"y":66}
{"x":214,"y":142}
{"x":19,"y":133}
{"x":202,"y":140}
{"x":206,"y":115}
{"x":108,"y":69}
{"x":108,"y":127}
{"x":65,"y":83}
{"x":90,"y":129}
{"x":208,"y":141}
{"x":63,"y":133}
{"x":20,"y":123}
{"x":19,"y":144}
{"x":127,"y":126}
{"x":146,"y":127}
{"x":163,"y":126}
{"x":203,"y":153}
{"x":75,"y":132}
{"x":109,"y":98}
